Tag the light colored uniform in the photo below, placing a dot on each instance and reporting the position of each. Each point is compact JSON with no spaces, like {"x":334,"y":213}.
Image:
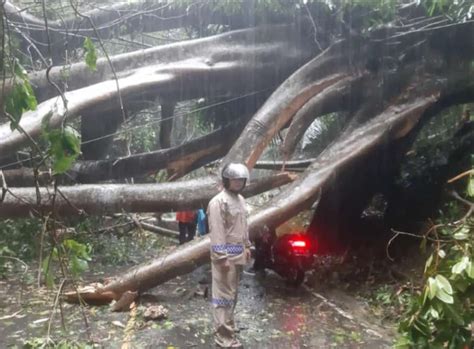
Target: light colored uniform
{"x":229,"y":241}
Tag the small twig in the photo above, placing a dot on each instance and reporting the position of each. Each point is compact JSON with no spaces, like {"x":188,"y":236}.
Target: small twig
{"x":314,"y":26}
{"x":50,"y":66}
{"x":459,"y":176}
{"x":119,"y":93}
{"x":79,"y":211}
{"x":388,"y":246}
{"x":27,"y":135}
{"x":455,"y":195}
{"x":55,"y":305}
{"x":468,"y":203}
{"x":3,"y":182}
{"x":40,"y":262}
{"x":17,"y":260}
{"x":418,"y":236}
{"x":6,"y":317}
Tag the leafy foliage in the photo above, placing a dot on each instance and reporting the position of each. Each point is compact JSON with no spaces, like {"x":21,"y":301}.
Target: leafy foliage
{"x":457,"y":9}
{"x":442,"y":314}
{"x":321,"y":132}
{"x":17,"y":237}
{"x":74,"y":254}
{"x":21,"y":98}
{"x":46,"y":343}
{"x":64,"y":148}
{"x":91,"y":54}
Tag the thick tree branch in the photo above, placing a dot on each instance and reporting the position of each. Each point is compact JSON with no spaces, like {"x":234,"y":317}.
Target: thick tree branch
{"x":112,"y":198}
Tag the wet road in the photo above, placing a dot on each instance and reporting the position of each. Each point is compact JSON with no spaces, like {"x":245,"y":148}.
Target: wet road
{"x":269,"y":314}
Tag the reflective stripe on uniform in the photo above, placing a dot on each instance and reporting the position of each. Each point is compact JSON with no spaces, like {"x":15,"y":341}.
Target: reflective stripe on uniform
{"x":229,"y":248}
{"x":221,"y":302}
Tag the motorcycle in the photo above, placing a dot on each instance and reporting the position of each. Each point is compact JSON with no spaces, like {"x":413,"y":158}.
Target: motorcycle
{"x":290,"y":256}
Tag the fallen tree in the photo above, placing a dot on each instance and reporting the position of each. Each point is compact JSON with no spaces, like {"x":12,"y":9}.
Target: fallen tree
{"x":386,"y":80}
{"x":111,"y":198}
{"x":108,"y":22}
{"x":296,"y":197}
{"x":364,"y":134}
{"x":210,"y":67}
{"x":177,"y":161}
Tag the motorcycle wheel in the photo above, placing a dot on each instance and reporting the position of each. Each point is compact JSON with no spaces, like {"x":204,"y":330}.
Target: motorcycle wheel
{"x":296,"y":277}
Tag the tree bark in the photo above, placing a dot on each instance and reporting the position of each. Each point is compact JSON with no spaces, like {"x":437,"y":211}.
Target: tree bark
{"x":298,"y":196}
{"x":112,"y":198}
{"x":284,"y":45}
{"x":94,"y":144}
{"x":177,"y":161}
{"x":319,"y":74}
{"x":219,"y":70}
{"x":166,"y":124}
{"x":135,"y":17}
{"x":344,"y":95}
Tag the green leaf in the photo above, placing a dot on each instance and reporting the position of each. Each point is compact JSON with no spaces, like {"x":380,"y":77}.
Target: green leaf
{"x":434,"y":313}
{"x":462,"y":233}
{"x":444,"y":284}
{"x":423,"y":245}
{"x":470,"y":270}
{"x":428,"y":262}
{"x":78,"y":249}
{"x":91,"y":54}
{"x":47,"y":271}
{"x":78,"y":265}
{"x":470,"y":186}
{"x":444,"y":297}
{"x":432,"y":287}
{"x":21,"y":98}
{"x":454,"y":314}
{"x":403,"y":343}
{"x":422,"y":326}
{"x":45,"y":124}
{"x":441,"y":253}
{"x":459,"y":267}
{"x":64,"y":148}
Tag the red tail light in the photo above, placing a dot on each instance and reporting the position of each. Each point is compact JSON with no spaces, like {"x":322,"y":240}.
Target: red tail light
{"x":298,"y":243}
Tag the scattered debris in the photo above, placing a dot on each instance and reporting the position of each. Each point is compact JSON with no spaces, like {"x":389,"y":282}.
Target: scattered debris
{"x":124,"y":303}
{"x":155,"y":312}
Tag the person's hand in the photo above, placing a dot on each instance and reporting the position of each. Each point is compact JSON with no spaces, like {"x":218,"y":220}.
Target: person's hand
{"x":226,"y":264}
{"x":248,"y":255}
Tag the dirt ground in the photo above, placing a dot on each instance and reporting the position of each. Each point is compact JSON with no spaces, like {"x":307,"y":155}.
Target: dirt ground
{"x":269,"y":314}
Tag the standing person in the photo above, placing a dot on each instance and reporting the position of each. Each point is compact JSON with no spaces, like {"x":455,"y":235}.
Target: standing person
{"x":187,"y":225}
{"x":202,"y":225}
{"x":230,"y":250}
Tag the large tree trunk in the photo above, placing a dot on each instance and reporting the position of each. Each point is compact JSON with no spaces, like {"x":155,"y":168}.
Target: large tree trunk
{"x":113,"y":198}
{"x":216,"y":68}
{"x":391,"y":124}
{"x":281,"y":45}
{"x":166,"y":124}
{"x":403,"y":73}
{"x":110,"y":21}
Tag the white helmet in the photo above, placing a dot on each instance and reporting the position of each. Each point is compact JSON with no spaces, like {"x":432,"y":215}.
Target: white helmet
{"x":235,"y":171}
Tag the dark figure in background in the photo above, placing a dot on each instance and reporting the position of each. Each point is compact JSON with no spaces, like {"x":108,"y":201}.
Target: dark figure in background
{"x":187,"y":225}
{"x":263,"y":251}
